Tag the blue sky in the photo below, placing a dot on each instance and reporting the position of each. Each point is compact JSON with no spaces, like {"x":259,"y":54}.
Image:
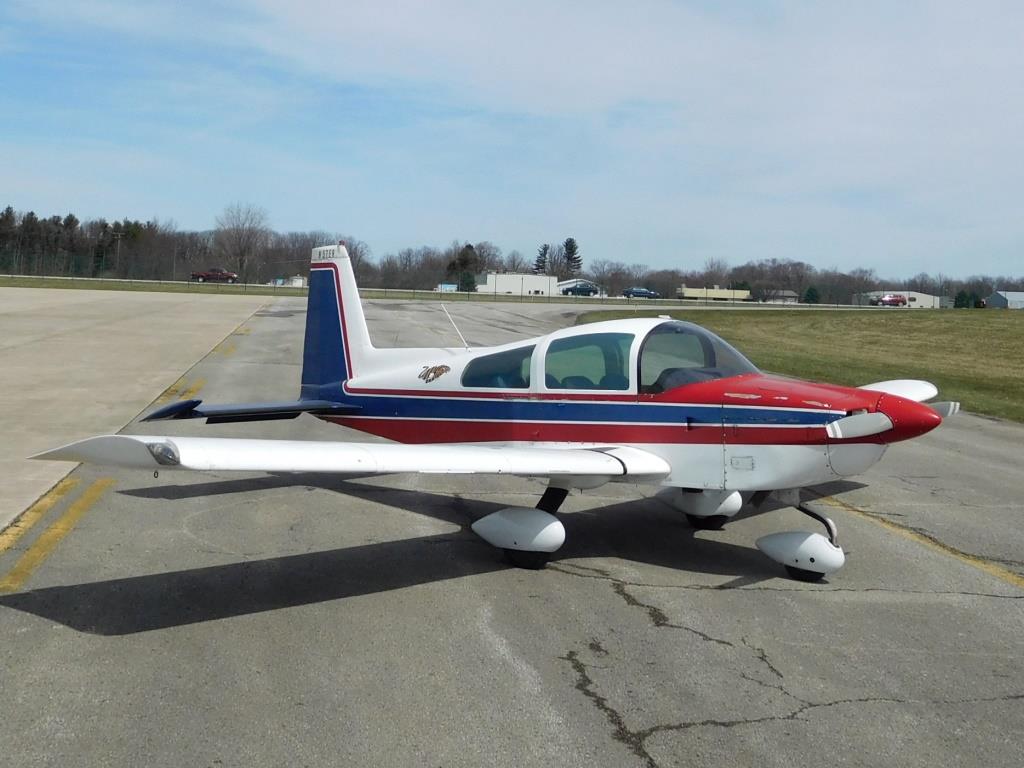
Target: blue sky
{"x":884,"y":135}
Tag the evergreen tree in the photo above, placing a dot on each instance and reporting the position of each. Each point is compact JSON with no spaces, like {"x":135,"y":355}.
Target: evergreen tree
{"x":573,"y":260}
{"x":8,"y":238}
{"x":464,"y":267}
{"x":811,"y":295}
{"x":540,"y":266}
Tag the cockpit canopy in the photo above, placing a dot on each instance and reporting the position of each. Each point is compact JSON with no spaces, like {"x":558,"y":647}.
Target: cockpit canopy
{"x":676,"y":353}
{"x":671,"y":355}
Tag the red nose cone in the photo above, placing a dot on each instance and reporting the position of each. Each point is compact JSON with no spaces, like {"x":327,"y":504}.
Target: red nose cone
{"x":909,"y":419}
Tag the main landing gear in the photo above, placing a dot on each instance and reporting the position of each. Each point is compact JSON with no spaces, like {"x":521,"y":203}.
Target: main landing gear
{"x":527,"y":535}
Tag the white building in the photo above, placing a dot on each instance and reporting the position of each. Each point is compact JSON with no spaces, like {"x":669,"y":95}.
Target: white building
{"x":1006,"y":300}
{"x":513,"y":284}
{"x":714,"y":293}
{"x":781,"y":296}
{"x":295,"y":281}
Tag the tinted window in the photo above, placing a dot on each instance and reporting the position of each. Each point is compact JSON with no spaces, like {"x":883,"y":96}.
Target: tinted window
{"x":676,"y":353}
{"x":508,"y":370}
{"x":592,"y":361}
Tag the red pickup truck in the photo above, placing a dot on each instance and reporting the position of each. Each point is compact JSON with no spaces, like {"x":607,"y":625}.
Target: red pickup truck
{"x":215,"y":275}
{"x":891,"y":300}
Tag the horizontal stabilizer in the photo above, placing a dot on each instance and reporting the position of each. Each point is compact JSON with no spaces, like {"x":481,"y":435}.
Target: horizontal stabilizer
{"x":911,"y":389}
{"x":218,"y":453}
{"x":226,"y":414}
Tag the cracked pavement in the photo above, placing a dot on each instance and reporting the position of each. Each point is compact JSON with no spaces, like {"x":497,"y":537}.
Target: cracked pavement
{"x":301,"y":620}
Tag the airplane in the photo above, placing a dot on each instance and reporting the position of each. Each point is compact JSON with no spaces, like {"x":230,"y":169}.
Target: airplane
{"x":651,"y":401}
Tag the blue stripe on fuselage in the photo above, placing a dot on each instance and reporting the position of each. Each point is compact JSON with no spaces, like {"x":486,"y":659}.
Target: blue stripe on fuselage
{"x":581,"y":411}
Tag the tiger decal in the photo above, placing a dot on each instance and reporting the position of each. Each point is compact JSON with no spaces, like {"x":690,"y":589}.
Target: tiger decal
{"x":433,"y":372}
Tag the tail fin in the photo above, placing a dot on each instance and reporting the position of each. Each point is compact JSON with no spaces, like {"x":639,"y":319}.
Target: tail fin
{"x":337,"y":341}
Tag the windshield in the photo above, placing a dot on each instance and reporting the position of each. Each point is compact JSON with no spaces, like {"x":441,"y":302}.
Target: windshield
{"x":676,"y":353}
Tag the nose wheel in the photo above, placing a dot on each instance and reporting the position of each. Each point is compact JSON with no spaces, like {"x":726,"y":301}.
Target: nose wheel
{"x":806,"y":556}
{"x":799,"y":574}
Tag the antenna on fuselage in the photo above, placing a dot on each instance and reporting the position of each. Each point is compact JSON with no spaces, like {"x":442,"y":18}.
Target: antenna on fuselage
{"x":464,"y":343}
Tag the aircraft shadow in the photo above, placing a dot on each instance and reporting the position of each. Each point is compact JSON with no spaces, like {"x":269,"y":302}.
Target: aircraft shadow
{"x":642,"y":531}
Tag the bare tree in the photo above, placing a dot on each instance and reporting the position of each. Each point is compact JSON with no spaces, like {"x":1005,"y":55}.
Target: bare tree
{"x":665,"y":281}
{"x":638,"y":273}
{"x":515,"y":262}
{"x":489,"y":256}
{"x":600,"y":271}
{"x":557,"y":264}
{"x":241,"y":238}
{"x":715,"y":272}
{"x":613,"y":276}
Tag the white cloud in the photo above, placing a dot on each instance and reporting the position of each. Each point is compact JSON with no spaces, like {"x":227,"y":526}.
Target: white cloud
{"x":870,"y":127}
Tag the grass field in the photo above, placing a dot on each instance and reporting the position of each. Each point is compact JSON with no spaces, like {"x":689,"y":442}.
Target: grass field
{"x":974,"y":356}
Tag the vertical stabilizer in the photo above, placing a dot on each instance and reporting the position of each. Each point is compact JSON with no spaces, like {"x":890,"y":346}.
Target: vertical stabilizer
{"x":337,"y":342}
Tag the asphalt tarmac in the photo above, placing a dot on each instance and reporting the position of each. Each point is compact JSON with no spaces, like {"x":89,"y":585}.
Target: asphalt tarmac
{"x":250,"y":620}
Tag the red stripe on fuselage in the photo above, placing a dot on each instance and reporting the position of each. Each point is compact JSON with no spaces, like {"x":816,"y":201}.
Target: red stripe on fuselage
{"x":422,"y":431}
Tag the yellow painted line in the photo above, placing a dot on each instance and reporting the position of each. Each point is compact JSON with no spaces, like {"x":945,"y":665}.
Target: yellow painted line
{"x":226,"y":348}
{"x":52,"y":536}
{"x":987,"y":566}
{"x":192,"y":390}
{"x":13,"y":533}
{"x":171,"y":392}
{"x":243,"y":331}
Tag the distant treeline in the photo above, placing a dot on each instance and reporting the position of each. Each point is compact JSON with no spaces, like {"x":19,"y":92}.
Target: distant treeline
{"x":243,"y":242}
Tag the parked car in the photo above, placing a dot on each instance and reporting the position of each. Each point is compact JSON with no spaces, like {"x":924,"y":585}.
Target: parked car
{"x":890,"y":300}
{"x":639,"y":292}
{"x":581,"y":289}
{"x":215,"y":275}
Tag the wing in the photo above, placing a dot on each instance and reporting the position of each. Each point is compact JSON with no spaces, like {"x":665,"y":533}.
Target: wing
{"x":217,"y":453}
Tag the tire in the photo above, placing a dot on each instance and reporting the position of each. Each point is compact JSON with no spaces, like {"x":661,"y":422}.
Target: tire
{"x":529,"y":561}
{"x":200,"y":279}
{"x":709,"y":523}
{"x":231,"y":279}
{"x":801,"y":574}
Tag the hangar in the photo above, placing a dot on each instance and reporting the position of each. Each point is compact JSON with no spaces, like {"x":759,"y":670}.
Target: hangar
{"x":517,"y":284}
{"x":1006,"y":300}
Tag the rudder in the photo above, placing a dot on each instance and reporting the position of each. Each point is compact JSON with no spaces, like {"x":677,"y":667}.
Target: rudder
{"x":336,"y":335}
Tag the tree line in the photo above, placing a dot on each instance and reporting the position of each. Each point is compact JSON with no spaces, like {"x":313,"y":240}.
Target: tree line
{"x":243,"y":241}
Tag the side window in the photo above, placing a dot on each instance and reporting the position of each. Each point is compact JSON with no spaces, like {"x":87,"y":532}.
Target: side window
{"x":505,"y":370}
{"x":592,"y":361}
